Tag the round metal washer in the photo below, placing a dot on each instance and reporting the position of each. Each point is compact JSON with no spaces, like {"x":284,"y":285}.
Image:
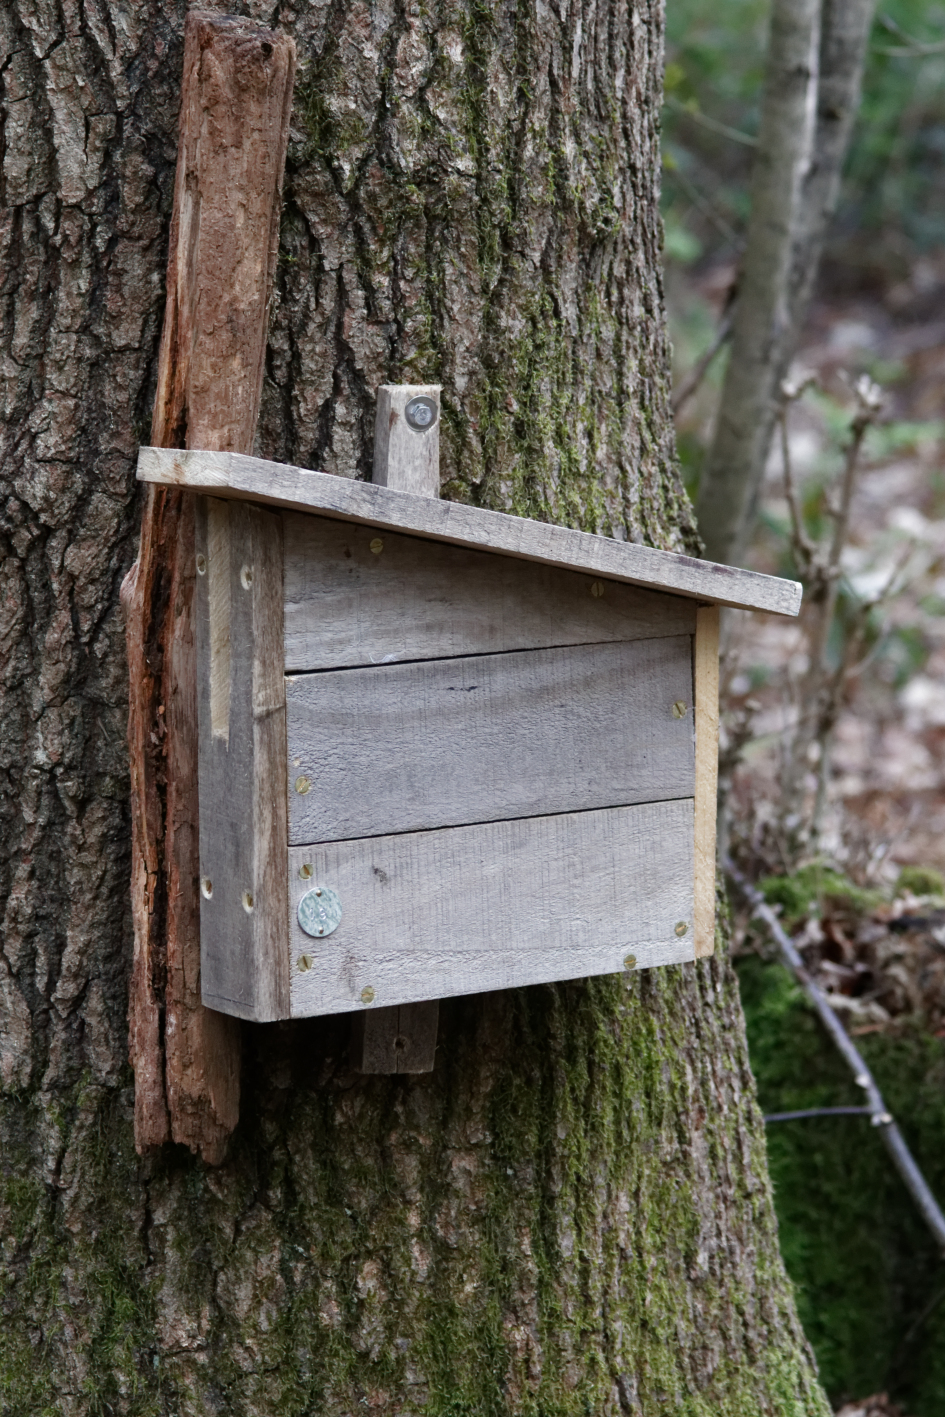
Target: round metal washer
{"x":319,"y":912}
{"x":421,"y":413}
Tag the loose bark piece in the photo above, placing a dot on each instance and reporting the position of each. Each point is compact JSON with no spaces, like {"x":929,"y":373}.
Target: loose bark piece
{"x":235,"y":102}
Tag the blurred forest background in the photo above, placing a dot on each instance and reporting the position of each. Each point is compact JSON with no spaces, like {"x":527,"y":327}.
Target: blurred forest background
{"x":843,"y":824}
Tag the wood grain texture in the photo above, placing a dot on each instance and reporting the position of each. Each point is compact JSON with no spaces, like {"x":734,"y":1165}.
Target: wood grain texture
{"x":406,"y":458}
{"x":408,"y":747}
{"x":348,"y":605}
{"x":706,"y":681}
{"x":300,"y":490}
{"x":399,"y":1039}
{"x":235,"y":100}
{"x":243,"y":842}
{"x":432,"y":914}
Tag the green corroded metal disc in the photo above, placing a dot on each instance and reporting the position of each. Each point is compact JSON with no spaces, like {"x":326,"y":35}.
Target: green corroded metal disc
{"x":319,"y":912}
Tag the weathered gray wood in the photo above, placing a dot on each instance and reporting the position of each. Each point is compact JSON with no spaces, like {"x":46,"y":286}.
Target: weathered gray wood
{"x":401,"y":1039}
{"x":433,"y":914}
{"x":237,"y":476}
{"x":347,"y":604}
{"x":242,"y":765}
{"x":404,"y":457}
{"x":706,"y":687}
{"x":408,"y":747}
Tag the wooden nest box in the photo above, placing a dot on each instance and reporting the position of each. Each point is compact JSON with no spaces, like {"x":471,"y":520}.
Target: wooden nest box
{"x":442,"y":750}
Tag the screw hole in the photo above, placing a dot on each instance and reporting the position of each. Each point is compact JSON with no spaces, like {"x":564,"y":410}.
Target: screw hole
{"x":400,"y":1043}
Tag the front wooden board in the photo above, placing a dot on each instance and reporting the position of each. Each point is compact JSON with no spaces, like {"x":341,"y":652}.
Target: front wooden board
{"x":427,"y":915}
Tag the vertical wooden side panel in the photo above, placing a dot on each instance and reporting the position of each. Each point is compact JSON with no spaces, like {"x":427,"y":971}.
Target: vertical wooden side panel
{"x":706,"y":678}
{"x":243,"y":822}
{"x":270,"y":770}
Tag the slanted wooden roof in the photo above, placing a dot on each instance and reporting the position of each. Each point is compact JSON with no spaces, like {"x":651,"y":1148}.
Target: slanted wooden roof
{"x":296,"y":488}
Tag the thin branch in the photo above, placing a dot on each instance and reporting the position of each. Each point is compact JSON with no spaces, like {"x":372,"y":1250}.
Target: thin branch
{"x":712,"y":124}
{"x":707,"y":209}
{"x":882,"y":1119}
{"x":697,"y":373}
{"x":914,"y":49}
{"x":817,"y":1112}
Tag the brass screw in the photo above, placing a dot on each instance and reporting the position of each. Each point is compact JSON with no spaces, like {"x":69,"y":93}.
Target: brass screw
{"x":367,"y":995}
{"x":305,"y":872}
{"x":303,"y":784}
{"x":679,"y":709}
{"x":597,"y":589}
{"x":681,"y":928}
{"x":630,"y":962}
{"x":201,"y":565}
{"x":377,"y":546}
{"x":304,"y":962}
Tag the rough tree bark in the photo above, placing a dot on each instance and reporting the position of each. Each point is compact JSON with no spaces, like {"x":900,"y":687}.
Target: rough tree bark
{"x":816,"y":54}
{"x":571,"y":1213}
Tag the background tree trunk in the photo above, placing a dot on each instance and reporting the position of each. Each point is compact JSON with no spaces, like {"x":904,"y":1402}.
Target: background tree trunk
{"x":571,"y":1214}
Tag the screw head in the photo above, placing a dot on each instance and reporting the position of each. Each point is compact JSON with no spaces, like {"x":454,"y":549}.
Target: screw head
{"x":304,"y":963}
{"x":597,"y":589}
{"x":206,"y":887}
{"x":421,"y":413}
{"x":246,"y":577}
{"x":201,"y":565}
{"x":679,"y":709}
{"x":303,"y":784}
{"x":248,"y":902}
{"x":630,"y":962}
{"x":377,"y":546}
{"x":681,"y":928}
{"x":367,"y":995}
{"x":305,"y":871}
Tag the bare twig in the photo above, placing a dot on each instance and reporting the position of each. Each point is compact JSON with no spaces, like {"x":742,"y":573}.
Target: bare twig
{"x":697,"y":373}
{"x":713,"y":124}
{"x":880,"y":1116}
{"x":817,"y":1112}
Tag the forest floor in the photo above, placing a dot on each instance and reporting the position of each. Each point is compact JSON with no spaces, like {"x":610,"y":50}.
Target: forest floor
{"x":866,"y":904}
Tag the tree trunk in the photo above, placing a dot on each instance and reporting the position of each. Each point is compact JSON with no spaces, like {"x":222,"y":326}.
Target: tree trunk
{"x":571,"y":1213}
{"x":795,"y":186}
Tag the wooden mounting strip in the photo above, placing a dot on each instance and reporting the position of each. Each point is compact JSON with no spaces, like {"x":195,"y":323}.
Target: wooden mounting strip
{"x":401,"y":1039}
{"x":235,"y":101}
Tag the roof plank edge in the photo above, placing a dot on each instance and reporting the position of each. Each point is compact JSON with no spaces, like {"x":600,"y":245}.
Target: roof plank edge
{"x":343,"y":499}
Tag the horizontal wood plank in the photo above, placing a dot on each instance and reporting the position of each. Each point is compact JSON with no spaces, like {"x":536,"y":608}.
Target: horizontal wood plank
{"x":254,"y":479}
{"x":433,"y":914}
{"x":349,"y":601}
{"x":407,"y":747}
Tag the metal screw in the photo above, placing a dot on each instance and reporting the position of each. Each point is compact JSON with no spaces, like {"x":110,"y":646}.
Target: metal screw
{"x":304,"y":962}
{"x":367,"y":995}
{"x":420,"y":413}
{"x":318,"y":890}
{"x":597,"y":589}
{"x":681,"y":928}
{"x":206,"y":887}
{"x":630,"y":962}
{"x":679,"y":709}
{"x":248,"y":902}
{"x":377,"y":546}
{"x":201,"y":565}
{"x":246,"y":577}
{"x":305,"y":872}
{"x":303,"y":784}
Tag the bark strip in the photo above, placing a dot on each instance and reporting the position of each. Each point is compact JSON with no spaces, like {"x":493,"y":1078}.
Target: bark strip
{"x":235,"y":103}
